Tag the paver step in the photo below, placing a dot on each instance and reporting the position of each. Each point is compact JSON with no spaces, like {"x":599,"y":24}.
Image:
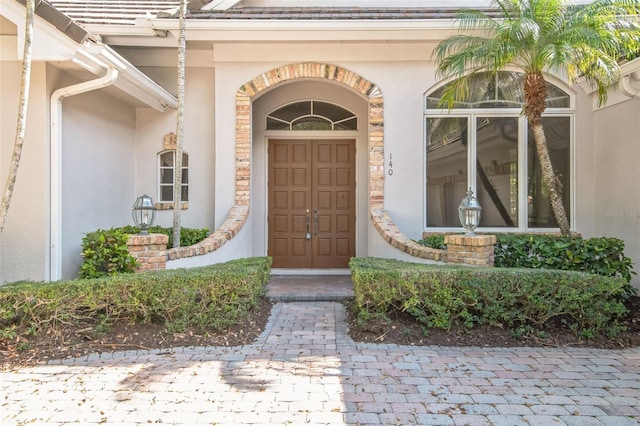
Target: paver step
{"x":310,"y":288}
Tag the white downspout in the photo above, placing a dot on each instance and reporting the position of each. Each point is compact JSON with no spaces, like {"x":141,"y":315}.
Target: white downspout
{"x":55,"y":195}
{"x":627,"y":89}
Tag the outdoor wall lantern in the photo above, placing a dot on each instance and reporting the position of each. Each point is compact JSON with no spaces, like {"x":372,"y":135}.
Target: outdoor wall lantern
{"x":144,"y":213}
{"x":469,"y":213}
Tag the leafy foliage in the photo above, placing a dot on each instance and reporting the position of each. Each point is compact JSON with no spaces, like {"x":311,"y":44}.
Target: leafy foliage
{"x":215,"y":296}
{"x":601,"y":256}
{"x":440,"y":296}
{"x":105,"y":253}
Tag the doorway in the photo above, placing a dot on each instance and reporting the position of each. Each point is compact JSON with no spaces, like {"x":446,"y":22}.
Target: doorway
{"x":311,"y":215}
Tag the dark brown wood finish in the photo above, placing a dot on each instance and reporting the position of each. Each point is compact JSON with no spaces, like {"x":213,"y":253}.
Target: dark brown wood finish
{"x":311,"y":189}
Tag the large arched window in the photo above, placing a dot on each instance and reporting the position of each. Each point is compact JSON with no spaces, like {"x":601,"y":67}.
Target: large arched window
{"x":484,"y":143}
{"x":311,"y":115}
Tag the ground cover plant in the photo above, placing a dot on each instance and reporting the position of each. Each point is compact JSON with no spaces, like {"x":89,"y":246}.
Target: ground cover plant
{"x":521,"y":301}
{"x":199,"y":301}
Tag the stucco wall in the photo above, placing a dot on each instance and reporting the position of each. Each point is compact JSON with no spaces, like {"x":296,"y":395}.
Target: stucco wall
{"x":615,"y":168}
{"x":24,"y":240}
{"x":199,"y":143}
{"x":98,"y":149}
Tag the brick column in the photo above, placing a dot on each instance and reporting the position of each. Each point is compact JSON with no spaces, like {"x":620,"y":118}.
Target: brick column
{"x":474,"y":250}
{"x":149,"y":250}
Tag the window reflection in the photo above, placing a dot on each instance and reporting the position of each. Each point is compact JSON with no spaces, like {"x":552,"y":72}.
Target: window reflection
{"x":311,"y":115}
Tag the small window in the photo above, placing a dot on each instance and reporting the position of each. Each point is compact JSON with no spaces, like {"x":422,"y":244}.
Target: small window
{"x":311,"y":115}
{"x":166,"y":171}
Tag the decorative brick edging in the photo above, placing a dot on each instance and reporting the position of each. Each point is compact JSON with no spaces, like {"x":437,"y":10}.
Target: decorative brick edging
{"x":149,"y":250}
{"x":375,"y":125}
{"x":476,"y":250}
{"x":237,"y":217}
{"x":390,"y":232}
{"x":375,"y":120}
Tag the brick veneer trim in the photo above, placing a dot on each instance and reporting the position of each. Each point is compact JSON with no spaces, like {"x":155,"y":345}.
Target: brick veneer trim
{"x":239,"y":213}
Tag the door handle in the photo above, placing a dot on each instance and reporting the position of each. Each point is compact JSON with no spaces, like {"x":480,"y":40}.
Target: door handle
{"x":315,"y":222}
{"x":307,"y":219}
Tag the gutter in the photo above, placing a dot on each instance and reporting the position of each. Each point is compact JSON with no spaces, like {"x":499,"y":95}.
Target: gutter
{"x":55,"y":219}
{"x":95,"y":57}
{"x":114,"y":70}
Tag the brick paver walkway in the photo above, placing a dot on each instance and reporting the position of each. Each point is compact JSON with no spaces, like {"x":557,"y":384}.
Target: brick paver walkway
{"x":304,"y":369}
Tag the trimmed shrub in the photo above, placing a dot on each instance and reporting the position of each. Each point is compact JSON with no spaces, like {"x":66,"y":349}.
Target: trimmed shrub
{"x":440,"y":296}
{"x":215,"y":296}
{"x":601,"y":256}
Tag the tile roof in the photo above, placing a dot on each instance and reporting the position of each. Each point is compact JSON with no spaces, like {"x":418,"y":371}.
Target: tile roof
{"x":325,"y":13}
{"x":125,"y":12}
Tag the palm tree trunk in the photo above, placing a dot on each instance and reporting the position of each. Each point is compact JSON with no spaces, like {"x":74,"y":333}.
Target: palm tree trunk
{"x":535,"y":92}
{"x":22,"y":115}
{"x":177,"y":164}
{"x":549,"y":178}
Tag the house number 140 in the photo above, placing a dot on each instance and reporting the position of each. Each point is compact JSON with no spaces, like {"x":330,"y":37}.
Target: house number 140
{"x":390,"y":164}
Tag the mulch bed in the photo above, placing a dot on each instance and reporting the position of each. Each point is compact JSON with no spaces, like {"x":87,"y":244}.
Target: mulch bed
{"x":81,"y":340}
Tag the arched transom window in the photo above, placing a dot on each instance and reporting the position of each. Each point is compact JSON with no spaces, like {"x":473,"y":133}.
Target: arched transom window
{"x":311,"y":115}
{"x":485,"y":144}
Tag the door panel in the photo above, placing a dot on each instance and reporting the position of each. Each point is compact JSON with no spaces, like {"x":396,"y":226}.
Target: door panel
{"x":311,"y":189}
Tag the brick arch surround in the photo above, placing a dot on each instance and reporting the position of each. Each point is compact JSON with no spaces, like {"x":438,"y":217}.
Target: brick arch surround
{"x":239,"y":213}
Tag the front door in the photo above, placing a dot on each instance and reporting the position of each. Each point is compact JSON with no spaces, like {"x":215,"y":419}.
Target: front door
{"x":311,"y":218}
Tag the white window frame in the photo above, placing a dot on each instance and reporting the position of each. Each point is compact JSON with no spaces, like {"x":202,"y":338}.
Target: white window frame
{"x":471,"y":114}
{"x":159,"y":176}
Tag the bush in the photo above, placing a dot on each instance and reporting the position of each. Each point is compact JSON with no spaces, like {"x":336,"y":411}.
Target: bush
{"x":601,"y":256}
{"x":440,"y":296}
{"x":105,"y":253}
{"x":215,"y":296}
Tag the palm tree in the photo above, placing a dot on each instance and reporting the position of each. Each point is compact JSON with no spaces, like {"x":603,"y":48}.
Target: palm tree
{"x":22,"y":115}
{"x":177,"y":163}
{"x":538,"y":36}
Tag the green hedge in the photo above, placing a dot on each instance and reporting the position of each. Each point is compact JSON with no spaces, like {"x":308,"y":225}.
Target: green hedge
{"x":215,"y":296}
{"x":602,"y":256}
{"x":440,"y":296}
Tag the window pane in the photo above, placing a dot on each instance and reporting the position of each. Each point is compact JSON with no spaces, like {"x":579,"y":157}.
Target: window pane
{"x":292,"y":111}
{"x":331,"y":111}
{"x":497,"y":170}
{"x":350,"y":124}
{"x":166,"y":193}
{"x":557,"y":132}
{"x":446,"y":169}
{"x":185,"y":176}
{"x":504,"y":89}
{"x":166,"y":176}
{"x":311,"y":123}
{"x":276,"y":124}
{"x":185,"y":160}
{"x":166,"y":159}
{"x":185,"y":193}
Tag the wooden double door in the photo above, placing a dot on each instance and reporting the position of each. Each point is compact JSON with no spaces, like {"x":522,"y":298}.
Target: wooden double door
{"x":311,"y":215}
